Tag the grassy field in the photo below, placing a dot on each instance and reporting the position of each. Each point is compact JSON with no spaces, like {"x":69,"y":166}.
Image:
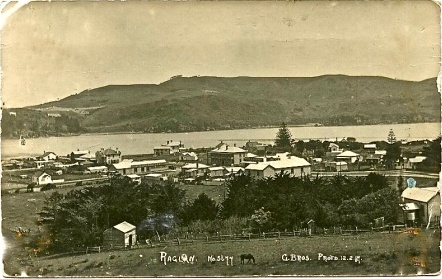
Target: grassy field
{"x":381,"y":253}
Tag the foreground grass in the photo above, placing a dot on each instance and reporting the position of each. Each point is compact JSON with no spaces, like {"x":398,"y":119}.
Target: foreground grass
{"x":381,"y":253}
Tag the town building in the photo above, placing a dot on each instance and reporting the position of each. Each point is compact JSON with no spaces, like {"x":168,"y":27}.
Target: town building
{"x":162,"y":150}
{"x":421,"y":205}
{"x":97,"y":169}
{"x":188,"y":156}
{"x":77,"y":154}
{"x":293,"y":166}
{"x":48,"y":156}
{"x":41,"y":178}
{"x":336,"y":166}
{"x":413,"y":163}
{"x":108,"y":156}
{"x":226,"y":155}
{"x":126,"y":167}
{"x":216,"y":172}
{"x":121,"y":235}
{"x":348,"y":156}
{"x":370,"y":147}
{"x":194,"y":170}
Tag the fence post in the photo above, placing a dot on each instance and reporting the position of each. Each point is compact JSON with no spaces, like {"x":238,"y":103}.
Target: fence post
{"x":279,"y":235}
{"x":340,"y":230}
{"x":178,"y":240}
{"x":294,"y":233}
{"x":207,"y":238}
{"x":334,"y":230}
{"x":356,"y":229}
{"x":264,"y":235}
{"x":249,"y":236}
{"x":371,"y":229}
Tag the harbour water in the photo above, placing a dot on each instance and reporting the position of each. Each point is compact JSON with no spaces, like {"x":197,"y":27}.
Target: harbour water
{"x":144,"y":143}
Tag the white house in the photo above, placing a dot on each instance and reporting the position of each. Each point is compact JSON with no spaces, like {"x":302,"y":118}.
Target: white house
{"x":348,"y":156}
{"x":194,"y":170}
{"x":294,"y":166}
{"x":121,"y":235}
{"x":42,"y":178}
{"x":370,"y":147}
{"x":334,"y":148}
{"x":420,"y":204}
{"x":48,"y":156}
{"x":216,"y":172}
{"x":413,"y":163}
{"x":189,"y":156}
{"x":126,"y":167}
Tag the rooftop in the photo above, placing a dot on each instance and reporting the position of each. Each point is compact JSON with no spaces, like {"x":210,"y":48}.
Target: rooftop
{"x":125,"y":227}
{"x":228,"y":149}
{"x":420,"y":194}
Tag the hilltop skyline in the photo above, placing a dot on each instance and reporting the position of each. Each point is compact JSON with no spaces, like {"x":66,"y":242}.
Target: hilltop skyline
{"x":53,"y":50}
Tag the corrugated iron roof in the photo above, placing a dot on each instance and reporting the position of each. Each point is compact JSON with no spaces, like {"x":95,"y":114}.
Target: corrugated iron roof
{"x":228,"y":149}
{"x":125,"y":227}
{"x":195,"y":166}
{"x":420,"y":194}
{"x":348,"y":153}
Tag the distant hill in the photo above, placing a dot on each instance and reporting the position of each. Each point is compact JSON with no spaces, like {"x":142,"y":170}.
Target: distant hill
{"x":210,"y":103}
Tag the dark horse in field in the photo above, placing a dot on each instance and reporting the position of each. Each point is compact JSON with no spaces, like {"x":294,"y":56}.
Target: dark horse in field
{"x":248,"y":257}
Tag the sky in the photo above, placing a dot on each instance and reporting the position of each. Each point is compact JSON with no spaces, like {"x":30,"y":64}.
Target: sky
{"x":50,"y":50}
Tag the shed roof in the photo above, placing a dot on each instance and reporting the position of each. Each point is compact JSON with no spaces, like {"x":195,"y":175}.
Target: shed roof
{"x":195,"y":166}
{"x":228,"y":149}
{"x":133,"y":176}
{"x":417,"y":159}
{"x":125,"y":227}
{"x":370,"y":146}
{"x":347,"y":153}
{"x":216,"y":168}
{"x":293,"y":162}
{"x":420,"y":194}
{"x":47,"y":153}
{"x":410,"y":206}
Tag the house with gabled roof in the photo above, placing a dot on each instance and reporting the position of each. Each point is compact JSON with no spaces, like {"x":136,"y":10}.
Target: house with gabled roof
{"x":126,"y":167}
{"x":293,"y":166}
{"x":225,"y":155}
{"x":108,"y":156}
{"x":48,"y":156}
{"x":421,"y":205}
{"x":121,"y":235}
{"x":41,"y":178}
{"x":348,"y":156}
{"x":194,"y":170}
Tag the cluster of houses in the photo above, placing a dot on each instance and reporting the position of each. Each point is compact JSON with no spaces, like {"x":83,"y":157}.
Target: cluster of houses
{"x":173,"y":162}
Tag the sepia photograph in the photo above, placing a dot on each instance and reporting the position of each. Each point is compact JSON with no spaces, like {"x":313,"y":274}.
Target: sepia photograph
{"x":220,"y":138}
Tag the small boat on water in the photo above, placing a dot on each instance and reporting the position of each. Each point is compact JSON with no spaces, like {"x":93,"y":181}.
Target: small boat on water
{"x":22,"y":140}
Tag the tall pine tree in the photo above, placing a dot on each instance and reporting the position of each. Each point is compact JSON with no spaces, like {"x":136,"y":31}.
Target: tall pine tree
{"x":283,"y":139}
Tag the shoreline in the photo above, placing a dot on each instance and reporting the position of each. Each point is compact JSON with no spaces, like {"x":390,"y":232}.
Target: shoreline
{"x":308,"y":125}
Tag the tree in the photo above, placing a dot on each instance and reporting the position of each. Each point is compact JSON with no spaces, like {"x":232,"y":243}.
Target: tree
{"x":433,"y":154}
{"x":261,"y":218}
{"x":202,"y":208}
{"x":393,"y":154}
{"x":283,"y":138}
{"x":391,"y":138}
{"x":300,"y":146}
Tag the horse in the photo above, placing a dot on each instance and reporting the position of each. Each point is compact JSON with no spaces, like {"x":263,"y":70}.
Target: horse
{"x":248,"y":257}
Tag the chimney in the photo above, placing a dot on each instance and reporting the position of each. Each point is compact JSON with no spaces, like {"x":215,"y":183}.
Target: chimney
{"x":227,"y":147}
{"x":167,"y":142}
{"x":234,"y":145}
